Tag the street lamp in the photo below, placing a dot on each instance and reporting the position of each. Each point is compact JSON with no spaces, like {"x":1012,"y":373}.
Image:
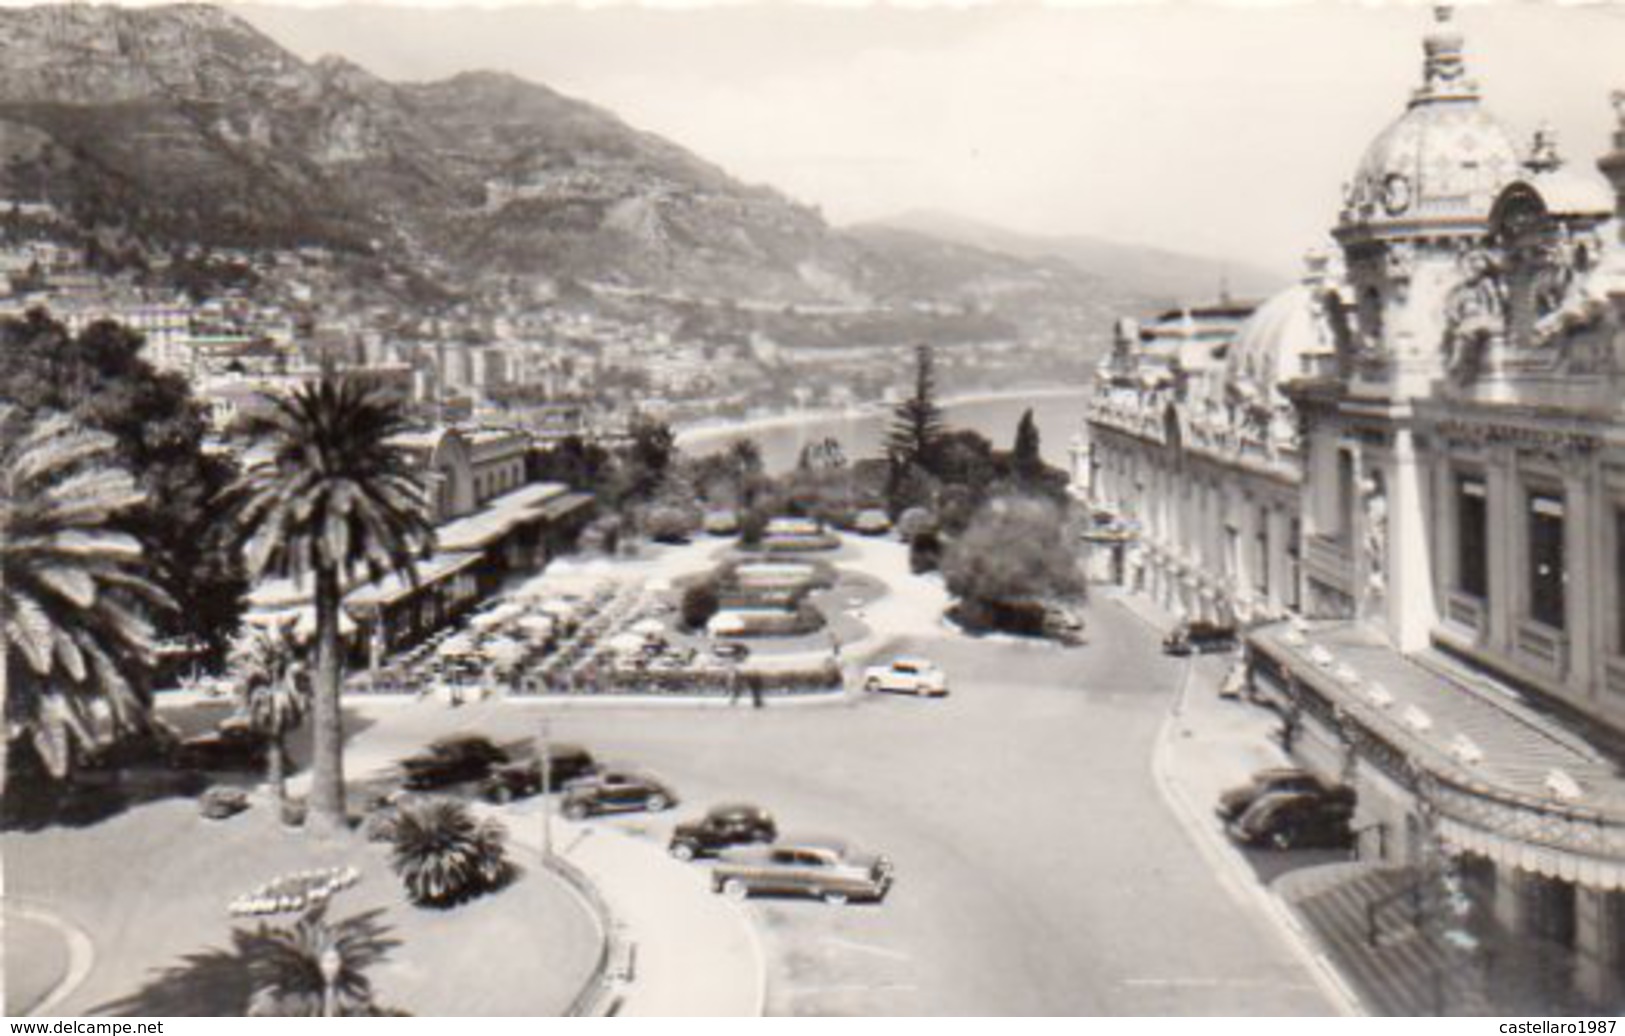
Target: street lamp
{"x":545,"y":751}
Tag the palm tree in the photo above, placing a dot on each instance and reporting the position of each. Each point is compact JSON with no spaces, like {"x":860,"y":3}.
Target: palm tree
{"x":275,"y":688}
{"x":74,"y":594}
{"x":334,"y":496}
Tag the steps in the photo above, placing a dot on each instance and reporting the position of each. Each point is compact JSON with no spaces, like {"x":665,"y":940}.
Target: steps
{"x":1406,"y":973}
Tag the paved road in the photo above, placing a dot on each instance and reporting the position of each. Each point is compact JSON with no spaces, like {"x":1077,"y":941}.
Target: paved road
{"x":1039,"y":870}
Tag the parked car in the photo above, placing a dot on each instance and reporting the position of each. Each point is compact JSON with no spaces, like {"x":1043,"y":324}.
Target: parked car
{"x":1285,"y":779}
{"x":1290,"y":820}
{"x":871,"y":522}
{"x":233,"y":745}
{"x":917,"y":676}
{"x":721,"y":828}
{"x":1063,"y":623}
{"x":824,"y":868}
{"x":566,"y":764}
{"x":452,"y":760}
{"x":1199,"y":638}
{"x":730,"y":651}
{"x":616,"y":791}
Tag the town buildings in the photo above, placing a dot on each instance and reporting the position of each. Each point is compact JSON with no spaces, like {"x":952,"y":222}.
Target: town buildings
{"x":1419,"y":453}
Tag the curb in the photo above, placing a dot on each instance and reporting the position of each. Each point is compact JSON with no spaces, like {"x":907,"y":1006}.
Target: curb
{"x":1230,"y":868}
{"x":81,"y":956}
{"x":594,"y":999}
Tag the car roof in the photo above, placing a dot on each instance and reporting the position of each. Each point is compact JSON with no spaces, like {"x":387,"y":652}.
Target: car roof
{"x":724,"y":808}
{"x":806,"y":841}
{"x":914,"y":660}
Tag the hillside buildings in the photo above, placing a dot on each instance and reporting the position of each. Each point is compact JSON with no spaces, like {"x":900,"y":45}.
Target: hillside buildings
{"x":1418,"y":453}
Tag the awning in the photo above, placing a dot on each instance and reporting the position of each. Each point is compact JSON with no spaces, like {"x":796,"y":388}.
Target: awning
{"x":499,"y":517}
{"x":565,"y":505}
{"x":395,"y":587}
{"x":1595,"y":872}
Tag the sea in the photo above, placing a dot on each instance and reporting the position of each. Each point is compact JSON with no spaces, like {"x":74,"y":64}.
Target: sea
{"x":862,"y":431}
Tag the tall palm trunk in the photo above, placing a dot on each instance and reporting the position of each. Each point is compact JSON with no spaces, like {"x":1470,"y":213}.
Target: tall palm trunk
{"x":327,"y":813}
{"x":276,"y":771}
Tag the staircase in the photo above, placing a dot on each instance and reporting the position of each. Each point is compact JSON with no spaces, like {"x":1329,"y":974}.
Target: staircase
{"x":1403,"y":972}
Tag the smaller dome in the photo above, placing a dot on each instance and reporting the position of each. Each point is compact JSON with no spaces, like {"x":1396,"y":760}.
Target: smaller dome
{"x":1274,"y":343}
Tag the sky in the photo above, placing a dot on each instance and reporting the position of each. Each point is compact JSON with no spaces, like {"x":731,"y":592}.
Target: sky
{"x":1218,"y":130}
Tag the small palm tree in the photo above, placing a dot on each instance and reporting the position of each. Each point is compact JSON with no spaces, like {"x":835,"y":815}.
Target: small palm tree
{"x":74,"y":594}
{"x":315,"y":968}
{"x":275,"y":689}
{"x":333,"y":497}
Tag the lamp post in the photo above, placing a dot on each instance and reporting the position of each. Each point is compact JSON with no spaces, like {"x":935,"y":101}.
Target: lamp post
{"x":545,"y":751}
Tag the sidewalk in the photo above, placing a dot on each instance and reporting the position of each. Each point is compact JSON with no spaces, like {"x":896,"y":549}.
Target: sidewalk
{"x":1207,"y":745}
{"x":677,"y":949}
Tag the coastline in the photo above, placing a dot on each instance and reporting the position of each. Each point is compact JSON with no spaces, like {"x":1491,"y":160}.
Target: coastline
{"x":707,"y":432}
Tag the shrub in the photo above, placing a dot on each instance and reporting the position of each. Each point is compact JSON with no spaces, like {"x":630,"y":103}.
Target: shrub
{"x":668,"y":523}
{"x":924,"y":553}
{"x":752,"y":527}
{"x":445,"y":856}
{"x":700,"y":602}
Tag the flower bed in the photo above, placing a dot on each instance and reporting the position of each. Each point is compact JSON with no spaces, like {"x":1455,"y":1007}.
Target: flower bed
{"x":716,"y":681}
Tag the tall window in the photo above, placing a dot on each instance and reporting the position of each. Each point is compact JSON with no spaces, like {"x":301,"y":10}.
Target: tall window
{"x":1472,"y":537}
{"x":1619,"y":585}
{"x":1546,"y":572}
{"x":1345,"y":495}
{"x":1261,"y":541}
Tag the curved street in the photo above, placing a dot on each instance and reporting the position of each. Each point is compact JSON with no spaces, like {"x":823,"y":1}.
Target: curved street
{"x":1039,"y":869}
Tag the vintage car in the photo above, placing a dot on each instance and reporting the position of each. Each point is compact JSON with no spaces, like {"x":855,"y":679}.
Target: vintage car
{"x":1199,"y":638}
{"x":723,"y":827}
{"x":1292,"y":820}
{"x":1234,"y":802}
{"x":451,"y":760}
{"x":233,"y":745}
{"x":823,"y":868}
{"x":616,"y":791}
{"x":566,"y":763}
{"x":917,"y":676}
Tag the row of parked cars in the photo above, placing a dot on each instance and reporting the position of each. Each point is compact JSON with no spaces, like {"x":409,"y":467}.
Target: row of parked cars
{"x":744,"y":839}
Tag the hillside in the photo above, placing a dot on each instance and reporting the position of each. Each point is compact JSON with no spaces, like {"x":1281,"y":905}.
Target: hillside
{"x":186,"y":126}
{"x":1161,"y":274}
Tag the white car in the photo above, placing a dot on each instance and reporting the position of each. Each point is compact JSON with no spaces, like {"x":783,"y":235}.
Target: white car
{"x":917,"y":676}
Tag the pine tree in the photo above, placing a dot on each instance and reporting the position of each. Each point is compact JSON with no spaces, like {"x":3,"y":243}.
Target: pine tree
{"x":917,"y":422}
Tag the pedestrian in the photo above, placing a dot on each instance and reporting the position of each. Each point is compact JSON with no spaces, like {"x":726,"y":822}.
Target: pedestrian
{"x":756,"y":681}
{"x":733,"y":685}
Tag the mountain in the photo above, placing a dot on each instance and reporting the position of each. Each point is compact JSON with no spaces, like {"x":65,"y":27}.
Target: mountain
{"x":1164,"y":275}
{"x":186,"y":125}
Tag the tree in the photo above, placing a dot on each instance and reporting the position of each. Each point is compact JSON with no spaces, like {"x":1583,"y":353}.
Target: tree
{"x":158,"y":431}
{"x":1025,"y":460}
{"x":334,"y":496}
{"x":1015,"y":550}
{"x":75,"y":595}
{"x":917,"y":422}
{"x":275,"y":689}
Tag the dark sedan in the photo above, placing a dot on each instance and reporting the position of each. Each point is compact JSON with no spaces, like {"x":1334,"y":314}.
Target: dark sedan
{"x":617,"y":791}
{"x":1199,"y":638}
{"x":1285,"y":820}
{"x":566,"y":764}
{"x":722,"y":828}
{"x":1286,"y":779}
{"x":452,"y":760}
{"x":233,"y":745}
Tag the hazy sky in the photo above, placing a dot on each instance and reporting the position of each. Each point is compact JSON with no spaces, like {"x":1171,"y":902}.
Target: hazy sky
{"x":1219,"y":130}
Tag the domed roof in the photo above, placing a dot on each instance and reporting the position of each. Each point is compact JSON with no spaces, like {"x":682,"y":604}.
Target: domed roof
{"x":1275,"y":341}
{"x":1444,"y":159}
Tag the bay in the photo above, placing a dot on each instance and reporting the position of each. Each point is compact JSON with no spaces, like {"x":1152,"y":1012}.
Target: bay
{"x":861,"y":432}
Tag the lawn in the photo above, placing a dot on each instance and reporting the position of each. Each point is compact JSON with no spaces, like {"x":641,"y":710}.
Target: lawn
{"x":150,"y":886}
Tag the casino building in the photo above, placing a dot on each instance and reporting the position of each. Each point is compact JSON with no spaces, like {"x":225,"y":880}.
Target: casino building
{"x":1417,"y":453}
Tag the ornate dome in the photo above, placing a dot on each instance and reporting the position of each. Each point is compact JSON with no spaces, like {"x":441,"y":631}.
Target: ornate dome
{"x":1276,"y":340}
{"x":1445,"y":159}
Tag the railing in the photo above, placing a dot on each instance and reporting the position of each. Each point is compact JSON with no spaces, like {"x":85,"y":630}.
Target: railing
{"x":1358,"y":834}
{"x":1591,"y":832}
{"x":1410,"y":894}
